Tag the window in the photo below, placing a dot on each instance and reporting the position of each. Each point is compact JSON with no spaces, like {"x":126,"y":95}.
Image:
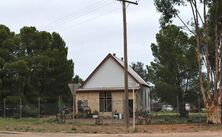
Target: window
{"x":105,"y":102}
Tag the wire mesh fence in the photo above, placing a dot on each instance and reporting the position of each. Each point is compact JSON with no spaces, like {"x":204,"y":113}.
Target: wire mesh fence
{"x":17,"y":107}
{"x":109,"y":110}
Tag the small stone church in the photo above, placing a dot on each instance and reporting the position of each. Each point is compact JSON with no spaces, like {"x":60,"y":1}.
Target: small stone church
{"x":103,"y":90}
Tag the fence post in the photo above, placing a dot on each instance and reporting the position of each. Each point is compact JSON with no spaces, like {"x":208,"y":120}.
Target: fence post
{"x":73,"y":107}
{"x":4,"y":107}
{"x":20,"y":106}
{"x":59,"y":104}
{"x":151,"y":100}
{"x":177,"y":105}
{"x":39,"y":109}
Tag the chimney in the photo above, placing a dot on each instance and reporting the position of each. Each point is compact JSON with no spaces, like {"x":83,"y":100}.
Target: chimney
{"x":114,"y":54}
{"x":122,"y":58}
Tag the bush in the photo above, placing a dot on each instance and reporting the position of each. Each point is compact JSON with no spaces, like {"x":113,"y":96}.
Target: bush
{"x":29,"y":110}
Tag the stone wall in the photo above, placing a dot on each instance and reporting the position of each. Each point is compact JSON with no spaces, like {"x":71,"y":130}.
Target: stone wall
{"x":91,"y":97}
{"x":117,"y":100}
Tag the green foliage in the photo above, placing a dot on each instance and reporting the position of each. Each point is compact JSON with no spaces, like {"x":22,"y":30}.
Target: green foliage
{"x":168,"y":10}
{"x":138,"y":67}
{"x":214,"y":17}
{"x":206,"y":18}
{"x":34,"y":63}
{"x":172,"y":118}
{"x":30,"y":110}
{"x":174,"y":69}
{"x":77,"y":79}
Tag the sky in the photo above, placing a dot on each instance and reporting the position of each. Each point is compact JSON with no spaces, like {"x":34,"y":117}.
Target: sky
{"x":90,"y":28}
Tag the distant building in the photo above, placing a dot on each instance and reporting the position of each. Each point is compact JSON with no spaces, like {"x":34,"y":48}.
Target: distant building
{"x":103,"y":90}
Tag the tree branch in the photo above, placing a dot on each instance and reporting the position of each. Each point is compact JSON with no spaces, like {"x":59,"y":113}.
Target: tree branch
{"x":216,"y":53}
{"x":207,"y":48}
{"x":185,"y":25}
{"x":193,"y":12}
{"x":195,"y":15}
{"x":220,"y":92}
{"x":197,"y":11}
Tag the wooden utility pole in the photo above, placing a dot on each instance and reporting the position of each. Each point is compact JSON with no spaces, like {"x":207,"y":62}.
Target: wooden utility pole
{"x":126,"y":104}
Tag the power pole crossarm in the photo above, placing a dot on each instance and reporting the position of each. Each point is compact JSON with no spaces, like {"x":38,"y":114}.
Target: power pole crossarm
{"x":130,"y":2}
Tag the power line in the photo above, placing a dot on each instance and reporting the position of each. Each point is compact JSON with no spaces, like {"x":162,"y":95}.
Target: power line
{"x":77,"y":14}
{"x":75,"y":18}
{"x":78,"y":17}
{"x":90,"y":19}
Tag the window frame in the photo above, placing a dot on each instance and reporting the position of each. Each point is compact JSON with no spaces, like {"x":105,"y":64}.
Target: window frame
{"x":105,"y":101}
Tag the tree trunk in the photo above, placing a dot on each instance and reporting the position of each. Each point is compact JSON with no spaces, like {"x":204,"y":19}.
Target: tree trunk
{"x":182,"y":109}
{"x":214,"y":114}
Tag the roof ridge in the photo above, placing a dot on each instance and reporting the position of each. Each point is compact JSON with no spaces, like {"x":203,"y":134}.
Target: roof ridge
{"x":133,"y":73}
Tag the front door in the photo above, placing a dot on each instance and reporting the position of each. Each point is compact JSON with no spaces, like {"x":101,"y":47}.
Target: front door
{"x":130,"y":107}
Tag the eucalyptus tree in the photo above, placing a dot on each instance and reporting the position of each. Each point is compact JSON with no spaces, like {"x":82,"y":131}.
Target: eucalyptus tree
{"x":207,"y":29}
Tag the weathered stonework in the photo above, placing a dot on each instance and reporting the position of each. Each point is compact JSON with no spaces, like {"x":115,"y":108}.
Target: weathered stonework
{"x":91,"y":97}
{"x":117,"y":101}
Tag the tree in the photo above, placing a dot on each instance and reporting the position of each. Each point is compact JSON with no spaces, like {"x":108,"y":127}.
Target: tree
{"x":50,"y":71}
{"x":34,"y":63}
{"x":77,"y":79}
{"x":8,"y":60}
{"x":138,"y":67}
{"x":173,"y":71}
{"x":207,"y":28}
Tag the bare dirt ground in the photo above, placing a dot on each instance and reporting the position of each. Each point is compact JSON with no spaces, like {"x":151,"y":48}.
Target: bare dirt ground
{"x":50,"y":128}
{"x":190,"y":134}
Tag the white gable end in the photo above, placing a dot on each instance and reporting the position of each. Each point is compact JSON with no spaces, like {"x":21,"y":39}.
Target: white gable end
{"x":109,"y":75}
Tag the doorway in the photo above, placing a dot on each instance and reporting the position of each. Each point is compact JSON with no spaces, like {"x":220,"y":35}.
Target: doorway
{"x":130,"y":102}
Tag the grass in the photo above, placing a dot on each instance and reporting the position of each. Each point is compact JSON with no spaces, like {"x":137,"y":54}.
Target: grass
{"x":28,"y":124}
{"x":161,"y":122}
{"x":173,"y":118}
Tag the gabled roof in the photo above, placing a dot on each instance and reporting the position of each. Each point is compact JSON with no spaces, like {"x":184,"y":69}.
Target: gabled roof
{"x":131,"y":72}
{"x":120,"y":62}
